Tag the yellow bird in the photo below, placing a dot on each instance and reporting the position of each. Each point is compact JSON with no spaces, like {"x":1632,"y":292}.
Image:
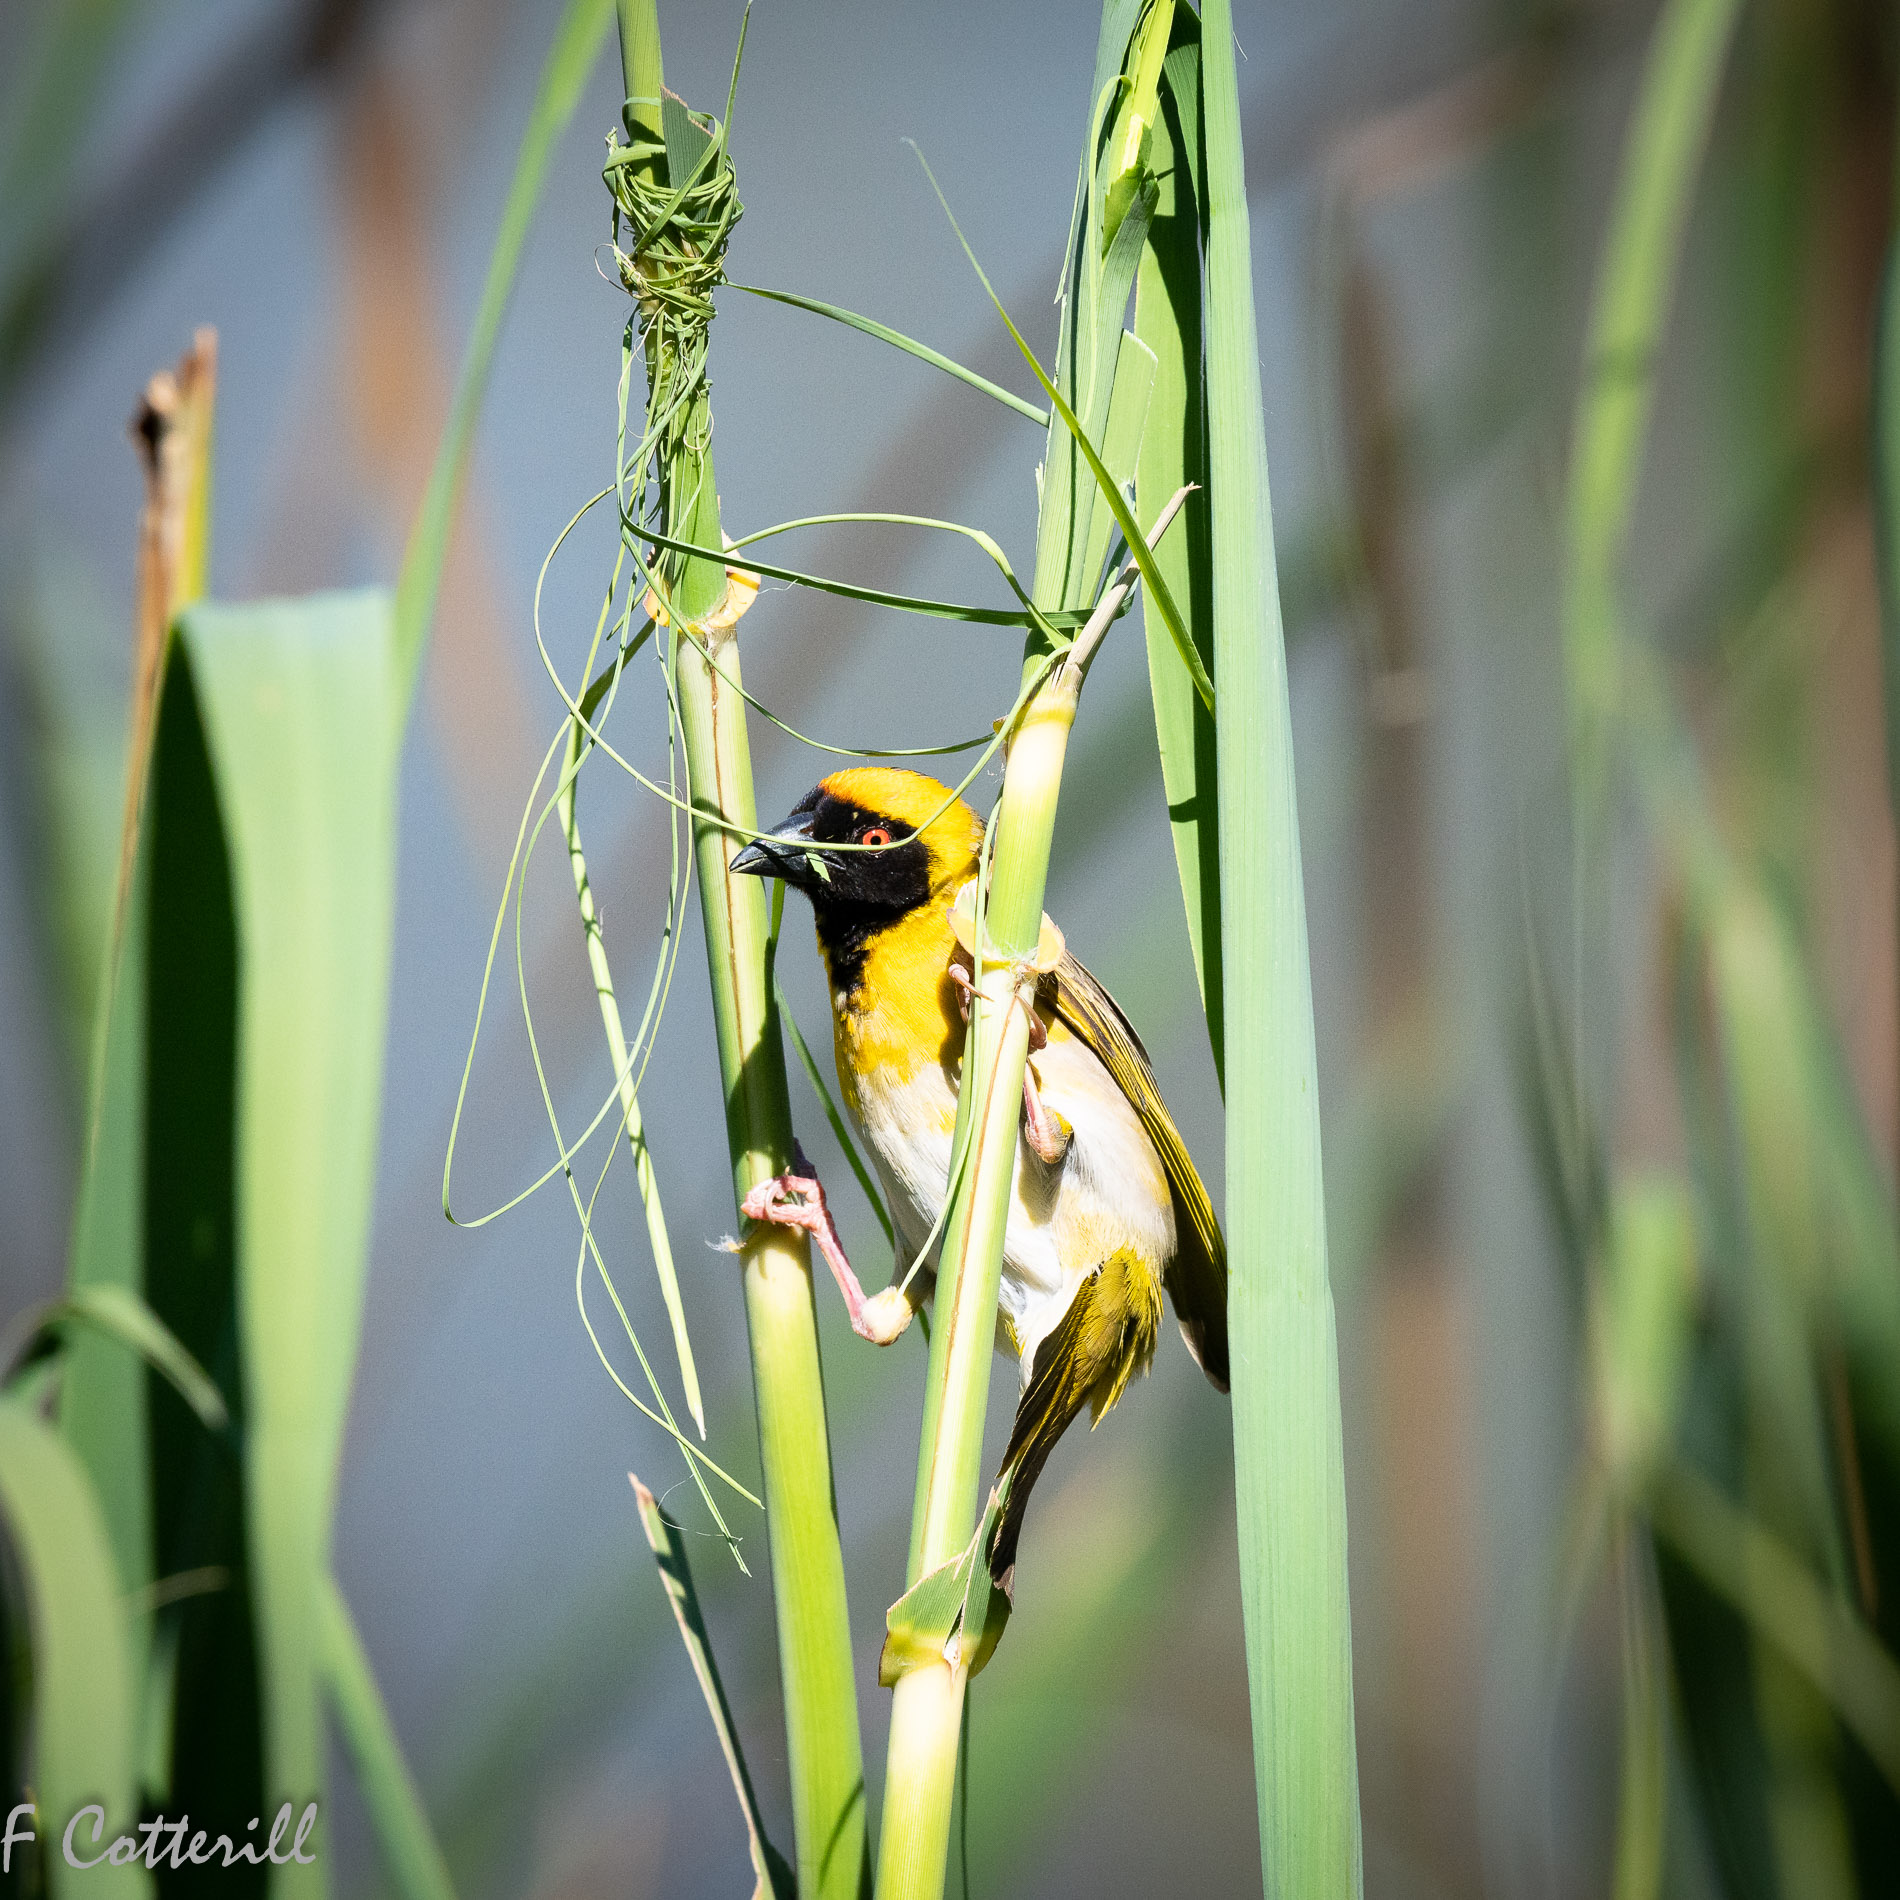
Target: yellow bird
{"x":1106,"y":1208}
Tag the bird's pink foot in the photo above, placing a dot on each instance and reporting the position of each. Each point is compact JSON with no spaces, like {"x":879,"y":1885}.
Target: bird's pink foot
{"x":966,"y":995}
{"x":797,"y":1200}
{"x":1048,"y":1133}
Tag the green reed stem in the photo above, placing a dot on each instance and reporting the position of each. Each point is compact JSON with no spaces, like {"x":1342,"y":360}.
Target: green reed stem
{"x":927,"y":1704}
{"x":1635,"y":285}
{"x":814,"y":1631}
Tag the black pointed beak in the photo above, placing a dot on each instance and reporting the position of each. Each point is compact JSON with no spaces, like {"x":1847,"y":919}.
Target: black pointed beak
{"x":781,"y":853}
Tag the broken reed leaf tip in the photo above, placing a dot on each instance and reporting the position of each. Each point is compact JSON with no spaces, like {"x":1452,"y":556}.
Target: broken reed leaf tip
{"x":742,"y":589}
{"x":1051,"y":946}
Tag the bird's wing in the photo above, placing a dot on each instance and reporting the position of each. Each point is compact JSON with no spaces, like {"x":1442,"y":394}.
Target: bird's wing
{"x":1197,"y":1276}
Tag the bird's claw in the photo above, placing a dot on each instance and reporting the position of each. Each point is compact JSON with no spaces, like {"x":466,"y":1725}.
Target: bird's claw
{"x":966,"y":995}
{"x":797,"y":1200}
{"x":787,"y":1200}
{"x":965,"y":985}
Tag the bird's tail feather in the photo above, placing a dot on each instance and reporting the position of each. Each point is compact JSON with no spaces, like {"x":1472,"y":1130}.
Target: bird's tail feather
{"x":1103,"y":1340}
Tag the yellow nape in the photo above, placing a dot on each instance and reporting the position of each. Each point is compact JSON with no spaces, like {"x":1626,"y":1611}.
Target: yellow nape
{"x":954,"y":835}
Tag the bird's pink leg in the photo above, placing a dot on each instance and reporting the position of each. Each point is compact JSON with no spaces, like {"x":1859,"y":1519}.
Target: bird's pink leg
{"x":1048,"y":1134}
{"x":798,"y":1200}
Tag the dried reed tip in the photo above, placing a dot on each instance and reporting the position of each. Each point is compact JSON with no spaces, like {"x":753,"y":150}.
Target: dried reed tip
{"x":153,"y":419}
{"x":172,"y":394}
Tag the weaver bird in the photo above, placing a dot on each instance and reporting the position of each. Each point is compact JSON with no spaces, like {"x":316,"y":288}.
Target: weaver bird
{"x":1106,"y":1208}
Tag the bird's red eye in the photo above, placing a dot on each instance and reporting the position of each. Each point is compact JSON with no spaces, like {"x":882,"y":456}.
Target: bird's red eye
{"x":876,"y":835}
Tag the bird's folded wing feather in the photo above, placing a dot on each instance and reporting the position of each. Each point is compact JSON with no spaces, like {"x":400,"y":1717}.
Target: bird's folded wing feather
{"x":1197,"y":1277}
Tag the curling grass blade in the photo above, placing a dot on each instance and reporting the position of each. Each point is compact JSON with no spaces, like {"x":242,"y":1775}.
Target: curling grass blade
{"x":1110,"y":490}
{"x":922,"y":351}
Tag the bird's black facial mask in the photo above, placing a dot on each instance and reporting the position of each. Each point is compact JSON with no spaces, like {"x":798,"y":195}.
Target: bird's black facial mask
{"x":894,"y":879}
{"x":854,"y":894}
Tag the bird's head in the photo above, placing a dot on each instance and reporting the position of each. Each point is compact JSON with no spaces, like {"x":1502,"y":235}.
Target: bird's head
{"x":909,"y":842}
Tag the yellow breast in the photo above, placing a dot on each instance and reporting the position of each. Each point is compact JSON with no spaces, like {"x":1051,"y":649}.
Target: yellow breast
{"x":904,"y":1015}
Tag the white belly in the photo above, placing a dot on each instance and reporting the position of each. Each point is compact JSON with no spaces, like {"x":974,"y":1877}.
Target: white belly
{"x":1106,"y":1193}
